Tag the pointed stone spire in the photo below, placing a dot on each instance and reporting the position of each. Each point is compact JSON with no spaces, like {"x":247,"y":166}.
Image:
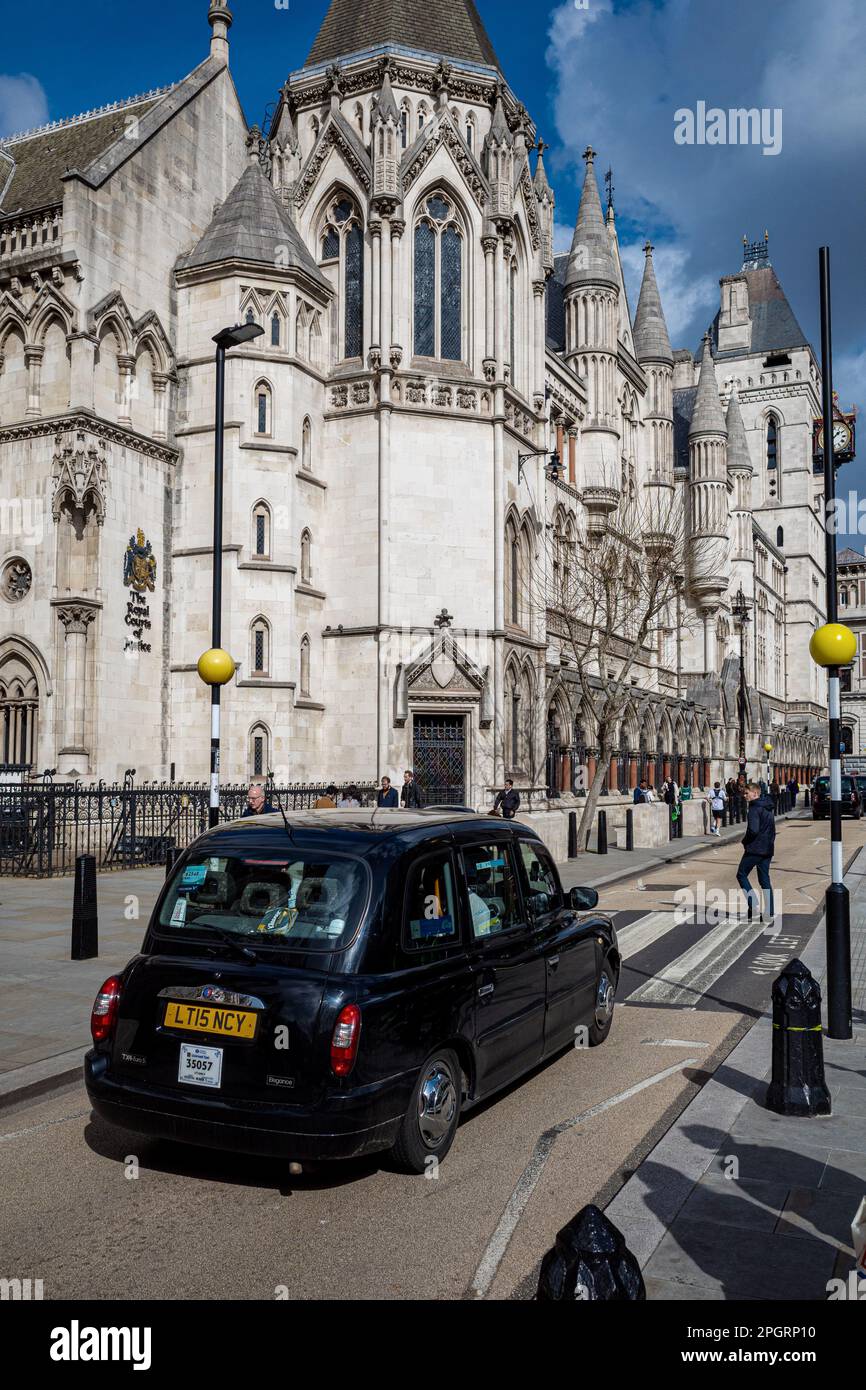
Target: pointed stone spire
{"x":651,"y":341}
{"x":499,"y":131}
{"x":590,"y":260}
{"x":385,"y":106}
{"x":738,"y":447}
{"x":542,"y":187}
{"x":219,"y":17}
{"x":707,"y":416}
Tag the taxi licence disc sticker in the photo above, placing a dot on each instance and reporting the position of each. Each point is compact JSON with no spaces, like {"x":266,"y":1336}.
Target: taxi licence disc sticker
{"x":178,"y":916}
{"x":491,"y":864}
{"x":194,"y":875}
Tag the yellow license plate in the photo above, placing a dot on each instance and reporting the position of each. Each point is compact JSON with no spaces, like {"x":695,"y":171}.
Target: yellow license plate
{"x":210,"y":1018}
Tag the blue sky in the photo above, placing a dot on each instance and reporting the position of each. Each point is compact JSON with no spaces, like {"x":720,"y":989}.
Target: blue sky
{"x":608,"y":72}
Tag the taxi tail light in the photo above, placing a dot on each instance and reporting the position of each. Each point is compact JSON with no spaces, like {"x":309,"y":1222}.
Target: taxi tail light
{"x":103,"y":1017}
{"x":345,"y":1039}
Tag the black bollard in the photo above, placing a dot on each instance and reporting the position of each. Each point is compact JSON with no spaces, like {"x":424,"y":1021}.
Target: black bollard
{"x":590,"y":1263}
{"x":172,"y":855}
{"x":572,"y":834}
{"x":672,"y":825}
{"x":629,"y":829}
{"x":808,"y":800}
{"x":797,"y":1086}
{"x":85,"y":925}
{"x":602,"y":832}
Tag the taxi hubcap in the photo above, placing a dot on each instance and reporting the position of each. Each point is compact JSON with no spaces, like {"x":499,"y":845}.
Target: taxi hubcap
{"x":603,"y":1000}
{"x":436,"y":1104}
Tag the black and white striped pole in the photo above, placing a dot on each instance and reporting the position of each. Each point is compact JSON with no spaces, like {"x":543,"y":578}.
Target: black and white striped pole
{"x":215,"y":666}
{"x":832,"y":646}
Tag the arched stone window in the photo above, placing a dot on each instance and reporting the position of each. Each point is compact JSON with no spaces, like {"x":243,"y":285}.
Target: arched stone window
{"x":19,"y":711}
{"x":261,"y":543}
{"x":305,"y":667}
{"x":438,"y":273}
{"x":260,"y":751}
{"x":422,"y":116}
{"x":774,"y":472}
{"x":306,"y":558}
{"x":404,"y":125}
{"x":260,"y":642}
{"x":470,"y":132}
{"x":780,"y":536}
{"x":307,"y":445}
{"x":342,"y":240}
{"x":276,"y":329}
{"x":263,"y":409}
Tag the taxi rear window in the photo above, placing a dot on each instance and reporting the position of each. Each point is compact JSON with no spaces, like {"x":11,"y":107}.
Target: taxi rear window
{"x":307,"y":901}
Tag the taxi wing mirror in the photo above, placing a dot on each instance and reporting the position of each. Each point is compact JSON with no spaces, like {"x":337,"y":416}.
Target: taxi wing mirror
{"x":582,"y":899}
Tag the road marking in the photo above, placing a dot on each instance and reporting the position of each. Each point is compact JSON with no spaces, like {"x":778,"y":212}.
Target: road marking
{"x":45,"y":1124}
{"x":673,"y":1042}
{"x":644,"y":932}
{"x":528,"y":1180}
{"x":690,"y":976}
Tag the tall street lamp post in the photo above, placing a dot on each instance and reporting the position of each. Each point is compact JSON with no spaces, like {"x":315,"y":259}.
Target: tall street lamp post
{"x":768,"y":748}
{"x":216,"y":667}
{"x":832,"y":646}
{"x":740,"y":610}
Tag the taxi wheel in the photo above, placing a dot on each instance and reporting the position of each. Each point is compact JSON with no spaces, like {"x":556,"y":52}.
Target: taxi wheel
{"x":603,"y":1007}
{"x":430,"y":1123}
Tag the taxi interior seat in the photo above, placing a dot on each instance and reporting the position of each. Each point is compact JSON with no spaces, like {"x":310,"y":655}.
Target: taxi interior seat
{"x":260,"y":896}
{"x":216,"y":891}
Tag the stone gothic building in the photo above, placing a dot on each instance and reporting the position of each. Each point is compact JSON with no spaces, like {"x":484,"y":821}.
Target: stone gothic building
{"x":387,"y":491}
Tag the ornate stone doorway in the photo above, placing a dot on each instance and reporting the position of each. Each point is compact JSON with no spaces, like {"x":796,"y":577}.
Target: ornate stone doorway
{"x":439,"y":758}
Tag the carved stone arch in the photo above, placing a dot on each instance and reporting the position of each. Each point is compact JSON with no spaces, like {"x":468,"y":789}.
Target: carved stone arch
{"x":111,"y":313}
{"x":16,"y":644}
{"x":150,"y":335}
{"x":443,"y":132}
{"x":11,"y":317}
{"x":336,"y":133}
{"x":48,"y":306}
{"x":630,"y":722}
{"x":251,"y":300}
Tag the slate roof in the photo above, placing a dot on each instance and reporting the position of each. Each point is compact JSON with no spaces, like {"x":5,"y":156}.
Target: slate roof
{"x":253,"y":225}
{"x":850,"y":557}
{"x":44,"y":156}
{"x":452,"y":28}
{"x":591,"y":258}
{"x":707,"y":414}
{"x":774,"y":324}
{"x":684,"y":404}
{"x":651,"y":340}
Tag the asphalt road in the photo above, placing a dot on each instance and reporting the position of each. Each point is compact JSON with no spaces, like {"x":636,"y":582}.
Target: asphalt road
{"x":96,"y":1212}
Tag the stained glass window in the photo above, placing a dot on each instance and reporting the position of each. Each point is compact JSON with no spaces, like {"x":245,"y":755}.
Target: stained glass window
{"x":331,"y":244}
{"x":275,"y":331}
{"x":258,"y":754}
{"x":343,"y":210}
{"x":438,"y":208}
{"x":260,"y":533}
{"x":772,"y":440}
{"x":450,"y":307}
{"x":425,"y":290}
{"x":354,"y":292}
{"x":259,"y":639}
{"x":263,"y":412}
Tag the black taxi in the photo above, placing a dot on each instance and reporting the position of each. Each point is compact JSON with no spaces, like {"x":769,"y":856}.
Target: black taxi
{"x":339,"y":982}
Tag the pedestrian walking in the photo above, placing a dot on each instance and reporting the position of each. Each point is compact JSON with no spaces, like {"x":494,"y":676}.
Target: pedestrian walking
{"x":640,"y":794}
{"x":508,"y":800}
{"x":257,"y":802}
{"x":328,"y":802}
{"x":775,"y":792}
{"x":793,"y":788}
{"x":759,"y":844}
{"x":410,"y":792}
{"x":718,"y":801}
{"x":387,"y":796}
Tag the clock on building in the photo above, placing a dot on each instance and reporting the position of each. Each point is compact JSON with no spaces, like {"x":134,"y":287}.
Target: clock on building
{"x":843,"y":437}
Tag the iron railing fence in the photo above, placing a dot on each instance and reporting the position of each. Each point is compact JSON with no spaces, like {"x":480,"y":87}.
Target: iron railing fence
{"x":44,"y":827}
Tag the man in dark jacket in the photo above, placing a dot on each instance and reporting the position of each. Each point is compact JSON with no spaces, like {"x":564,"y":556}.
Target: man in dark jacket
{"x":257,"y":805}
{"x":410,"y":792}
{"x":759,"y":844}
{"x":508,"y":799}
{"x":388,"y":795}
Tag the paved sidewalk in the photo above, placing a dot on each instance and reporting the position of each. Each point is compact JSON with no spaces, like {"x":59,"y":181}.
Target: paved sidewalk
{"x":736,"y":1202}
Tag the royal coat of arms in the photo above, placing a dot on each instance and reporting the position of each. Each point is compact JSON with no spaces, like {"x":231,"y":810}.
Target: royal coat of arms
{"x":139,"y":564}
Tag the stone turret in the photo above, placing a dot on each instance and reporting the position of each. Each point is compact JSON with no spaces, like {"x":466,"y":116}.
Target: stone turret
{"x":709,"y":566}
{"x":591,"y":303}
{"x":546,"y":204}
{"x":499,"y":157}
{"x":384,"y":127}
{"x":219,"y":18}
{"x":285,"y":153}
{"x":653,"y":350}
{"x":740,"y":474}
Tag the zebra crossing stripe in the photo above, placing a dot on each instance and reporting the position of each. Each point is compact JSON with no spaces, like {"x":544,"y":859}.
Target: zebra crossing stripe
{"x":688,"y":978}
{"x":637,"y":936}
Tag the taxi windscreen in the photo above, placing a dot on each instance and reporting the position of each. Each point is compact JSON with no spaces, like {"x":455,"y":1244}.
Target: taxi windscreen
{"x":307,"y":901}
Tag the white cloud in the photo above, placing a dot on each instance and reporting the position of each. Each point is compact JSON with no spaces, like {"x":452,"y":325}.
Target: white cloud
{"x":620,"y":73}
{"x":23,"y":103}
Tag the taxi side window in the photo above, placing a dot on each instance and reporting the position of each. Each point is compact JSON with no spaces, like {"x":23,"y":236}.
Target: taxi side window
{"x":542,"y":890}
{"x":492,"y":891}
{"x":431,"y":907}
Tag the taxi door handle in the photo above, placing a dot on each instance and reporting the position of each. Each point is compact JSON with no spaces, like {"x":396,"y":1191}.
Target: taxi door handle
{"x":552,"y":962}
{"x":484,"y":990}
